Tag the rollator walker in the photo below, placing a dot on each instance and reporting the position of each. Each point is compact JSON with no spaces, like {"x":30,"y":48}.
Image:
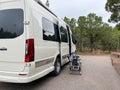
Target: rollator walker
{"x":75,"y":64}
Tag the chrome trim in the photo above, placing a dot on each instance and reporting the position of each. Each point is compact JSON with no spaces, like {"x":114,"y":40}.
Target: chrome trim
{"x":44,"y":62}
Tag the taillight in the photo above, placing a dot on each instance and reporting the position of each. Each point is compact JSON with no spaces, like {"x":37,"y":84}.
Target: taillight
{"x":29,"y":50}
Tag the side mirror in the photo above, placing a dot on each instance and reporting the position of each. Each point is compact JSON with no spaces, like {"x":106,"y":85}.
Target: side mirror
{"x":75,"y":41}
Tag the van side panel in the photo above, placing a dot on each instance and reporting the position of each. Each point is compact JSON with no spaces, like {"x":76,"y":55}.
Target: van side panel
{"x":45,"y":51}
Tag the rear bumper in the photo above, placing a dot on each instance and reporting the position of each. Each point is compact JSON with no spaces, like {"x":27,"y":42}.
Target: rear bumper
{"x":15,"y":79}
{"x":23,"y":79}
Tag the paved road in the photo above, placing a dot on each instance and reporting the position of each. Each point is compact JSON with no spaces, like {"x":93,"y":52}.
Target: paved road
{"x":97,"y":74}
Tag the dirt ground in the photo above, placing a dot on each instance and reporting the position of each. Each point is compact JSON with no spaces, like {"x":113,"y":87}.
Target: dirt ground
{"x":97,"y":74}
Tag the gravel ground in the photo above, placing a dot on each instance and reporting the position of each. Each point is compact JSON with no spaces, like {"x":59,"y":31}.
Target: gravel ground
{"x":97,"y":74}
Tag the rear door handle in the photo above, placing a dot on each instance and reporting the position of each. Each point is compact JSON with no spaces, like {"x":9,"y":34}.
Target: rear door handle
{"x":3,"y":49}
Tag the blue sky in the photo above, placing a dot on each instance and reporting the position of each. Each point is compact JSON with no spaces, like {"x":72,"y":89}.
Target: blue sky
{"x":76,"y":8}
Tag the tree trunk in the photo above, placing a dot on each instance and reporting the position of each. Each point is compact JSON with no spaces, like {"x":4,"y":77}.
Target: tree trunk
{"x":91,"y":44}
{"x":81,"y":45}
{"x":81,"y":41}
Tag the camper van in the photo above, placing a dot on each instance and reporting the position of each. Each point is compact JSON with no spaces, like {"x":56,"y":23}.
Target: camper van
{"x":33,"y":41}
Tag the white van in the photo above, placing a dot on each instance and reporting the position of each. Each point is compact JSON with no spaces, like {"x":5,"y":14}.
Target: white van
{"x":33,"y":41}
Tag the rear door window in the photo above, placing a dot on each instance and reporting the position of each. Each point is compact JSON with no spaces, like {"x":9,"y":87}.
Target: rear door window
{"x":11,"y":23}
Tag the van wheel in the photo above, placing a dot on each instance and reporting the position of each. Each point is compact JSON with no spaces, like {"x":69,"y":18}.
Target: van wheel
{"x":57,"y":69}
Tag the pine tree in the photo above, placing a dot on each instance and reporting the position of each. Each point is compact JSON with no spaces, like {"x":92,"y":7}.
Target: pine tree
{"x":47,"y":3}
{"x":113,"y":6}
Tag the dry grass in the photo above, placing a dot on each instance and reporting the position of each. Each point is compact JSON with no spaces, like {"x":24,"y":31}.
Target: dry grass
{"x":98,"y":52}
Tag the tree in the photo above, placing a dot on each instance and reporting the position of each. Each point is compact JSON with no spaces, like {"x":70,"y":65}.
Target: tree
{"x":92,"y":33}
{"x":47,"y":3}
{"x":93,"y":25}
{"x":82,"y":21}
{"x":113,"y":6}
{"x":106,"y":37}
{"x":118,"y":26}
{"x":71,"y":22}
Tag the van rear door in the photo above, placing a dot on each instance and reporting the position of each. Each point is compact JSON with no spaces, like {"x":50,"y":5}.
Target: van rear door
{"x":12,"y":35}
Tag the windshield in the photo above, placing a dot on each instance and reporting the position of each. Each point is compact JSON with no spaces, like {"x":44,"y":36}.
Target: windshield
{"x":11,"y":23}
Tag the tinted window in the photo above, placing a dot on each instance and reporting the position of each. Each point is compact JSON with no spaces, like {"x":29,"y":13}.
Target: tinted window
{"x":63,"y":34}
{"x":11,"y":23}
{"x":69,"y":34}
{"x":50,"y":30}
{"x":57,"y":38}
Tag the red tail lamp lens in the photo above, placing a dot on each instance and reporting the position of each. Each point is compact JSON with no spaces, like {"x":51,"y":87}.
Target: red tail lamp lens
{"x":29,"y":50}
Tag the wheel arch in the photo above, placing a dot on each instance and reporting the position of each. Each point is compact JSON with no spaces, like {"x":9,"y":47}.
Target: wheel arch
{"x":58,"y":56}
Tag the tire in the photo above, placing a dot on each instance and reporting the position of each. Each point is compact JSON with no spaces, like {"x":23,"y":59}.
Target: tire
{"x":80,"y":67}
{"x":57,"y":68}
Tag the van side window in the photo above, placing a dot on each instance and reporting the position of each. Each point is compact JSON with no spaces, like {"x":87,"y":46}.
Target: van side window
{"x":57,"y":37}
{"x":50,"y":30}
{"x":63,"y":34}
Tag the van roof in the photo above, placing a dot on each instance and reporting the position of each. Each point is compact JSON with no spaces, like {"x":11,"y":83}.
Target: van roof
{"x":40,"y":3}
{"x":1,"y":1}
